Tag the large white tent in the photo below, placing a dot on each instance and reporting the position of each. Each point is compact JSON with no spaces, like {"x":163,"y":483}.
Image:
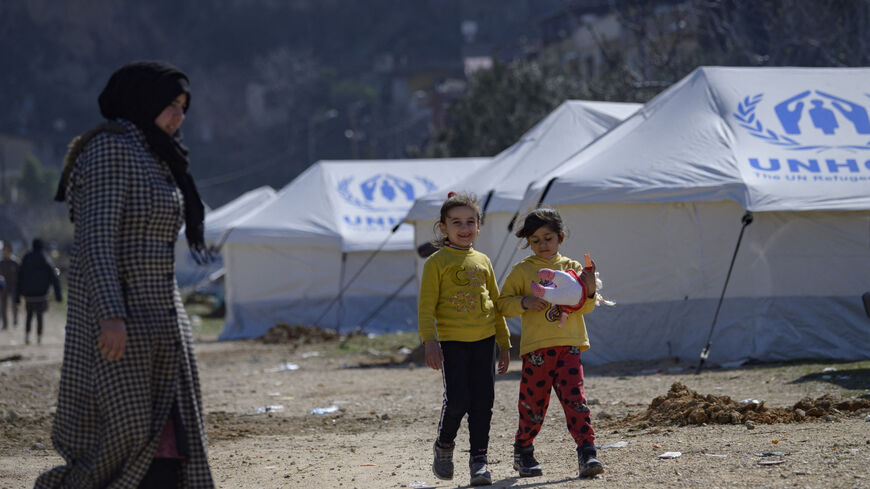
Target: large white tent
{"x":330,"y":249}
{"x":190,"y":274}
{"x":501,"y":184}
{"x":658,"y":202}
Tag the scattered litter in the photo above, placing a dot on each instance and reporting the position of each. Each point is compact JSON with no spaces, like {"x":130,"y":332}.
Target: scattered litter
{"x":750,"y":401}
{"x":867,"y":418}
{"x":283,"y":367}
{"x":326,"y":410}
{"x":310,"y":354}
{"x":772,"y":454}
{"x":618,"y":444}
{"x":404,"y":351}
{"x":829,"y":369}
{"x":274,"y":394}
{"x":37,"y":446}
{"x":368,"y":465}
{"x":656,"y":445}
{"x":271,"y":467}
{"x":269,"y":409}
{"x":417,"y":484}
{"x":770,"y":462}
{"x":717,"y":455}
{"x":12,"y":358}
{"x":774,"y":441}
{"x":670,"y":454}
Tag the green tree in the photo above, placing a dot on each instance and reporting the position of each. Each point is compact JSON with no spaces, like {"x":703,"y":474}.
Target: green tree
{"x":36,"y":183}
{"x":501,"y":103}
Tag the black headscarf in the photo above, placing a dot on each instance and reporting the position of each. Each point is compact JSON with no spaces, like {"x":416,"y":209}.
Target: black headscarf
{"x":138,"y":92}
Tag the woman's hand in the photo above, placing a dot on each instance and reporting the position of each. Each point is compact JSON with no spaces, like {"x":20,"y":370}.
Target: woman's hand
{"x":113,"y":338}
{"x":434,"y":357}
{"x":533,"y":303}
{"x":504,"y":360}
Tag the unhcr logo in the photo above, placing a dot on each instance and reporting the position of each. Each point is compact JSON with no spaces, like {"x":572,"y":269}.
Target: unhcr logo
{"x":383,"y":192}
{"x":809,"y":120}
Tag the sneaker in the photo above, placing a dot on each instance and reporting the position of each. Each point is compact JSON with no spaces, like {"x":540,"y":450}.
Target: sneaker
{"x":479,"y":471}
{"x":442,"y":465}
{"x":589,"y":465}
{"x":525,"y":463}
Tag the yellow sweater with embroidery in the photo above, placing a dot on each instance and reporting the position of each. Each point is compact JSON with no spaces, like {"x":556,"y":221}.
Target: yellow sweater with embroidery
{"x":457,"y":298}
{"x":541,"y":329}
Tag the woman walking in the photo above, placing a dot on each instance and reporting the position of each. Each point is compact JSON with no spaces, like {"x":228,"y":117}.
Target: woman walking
{"x":129,"y":411}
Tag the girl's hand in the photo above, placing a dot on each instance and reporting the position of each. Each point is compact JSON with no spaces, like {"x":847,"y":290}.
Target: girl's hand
{"x":504,"y":359}
{"x":533,"y":303}
{"x":113,"y":338}
{"x":588,"y":278}
{"x":434,"y":357}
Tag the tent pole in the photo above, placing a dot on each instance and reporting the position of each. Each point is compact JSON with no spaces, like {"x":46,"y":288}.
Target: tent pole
{"x":362,"y":325}
{"x":747,"y":220}
{"x":340,"y":281}
{"x":485,"y":205}
{"x":358,"y":272}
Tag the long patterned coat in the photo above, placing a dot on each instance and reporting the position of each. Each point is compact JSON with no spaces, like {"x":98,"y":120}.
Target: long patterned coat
{"x":127,"y":213}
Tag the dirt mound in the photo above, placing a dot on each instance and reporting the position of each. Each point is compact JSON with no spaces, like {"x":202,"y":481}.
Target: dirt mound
{"x":683,"y":406}
{"x":298,"y":334}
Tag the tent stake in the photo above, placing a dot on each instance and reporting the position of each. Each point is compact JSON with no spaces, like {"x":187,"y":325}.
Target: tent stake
{"x":747,"y":220}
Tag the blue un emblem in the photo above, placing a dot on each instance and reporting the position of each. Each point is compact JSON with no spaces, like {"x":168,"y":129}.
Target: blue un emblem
{"x":810,"y":120}
{"x":384,"y":192}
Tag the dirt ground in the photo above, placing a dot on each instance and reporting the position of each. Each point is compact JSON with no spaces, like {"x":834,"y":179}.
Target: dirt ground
{"x":802,"y":425}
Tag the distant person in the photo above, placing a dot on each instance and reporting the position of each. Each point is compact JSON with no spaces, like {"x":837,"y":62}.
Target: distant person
{"x":129,"y":409}
{"x":36,"y":275}
{"x":9,"y":271}
{"x":460,"y":327}
{"x":551,"y":354}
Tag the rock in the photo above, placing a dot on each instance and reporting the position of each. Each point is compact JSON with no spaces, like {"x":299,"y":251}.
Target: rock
{"x":800,"y":414}
{"x":750,"y":425}
{"x":697,"y":416}
{"x":816,"y":412}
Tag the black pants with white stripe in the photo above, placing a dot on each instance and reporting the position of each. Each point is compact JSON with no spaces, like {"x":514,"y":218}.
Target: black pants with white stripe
{"x":469,"y":388}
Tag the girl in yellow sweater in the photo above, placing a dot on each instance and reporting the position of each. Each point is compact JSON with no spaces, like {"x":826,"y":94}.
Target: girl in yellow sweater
{"x":551,"y":354}
{"x":460,"y":326}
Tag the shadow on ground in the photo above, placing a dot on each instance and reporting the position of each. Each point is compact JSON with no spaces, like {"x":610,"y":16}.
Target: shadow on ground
{"x":852,"y":379}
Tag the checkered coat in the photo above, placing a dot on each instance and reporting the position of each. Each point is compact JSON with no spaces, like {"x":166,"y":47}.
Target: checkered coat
{"x":127,"y":213}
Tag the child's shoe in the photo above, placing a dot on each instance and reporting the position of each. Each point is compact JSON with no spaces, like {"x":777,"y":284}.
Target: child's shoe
{"x":442,"y":465}
{"x":590,"y":466}
{"x":525,"y":463}
{"x":480,"y":475}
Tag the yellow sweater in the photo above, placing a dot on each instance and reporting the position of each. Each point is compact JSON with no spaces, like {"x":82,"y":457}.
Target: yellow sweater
{"x":457,"y":297}
{"x":541,"y":329}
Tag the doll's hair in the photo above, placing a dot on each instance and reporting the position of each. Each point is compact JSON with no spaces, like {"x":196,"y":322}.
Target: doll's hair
{"x":461,"y":199}
{"x":539,"y":218}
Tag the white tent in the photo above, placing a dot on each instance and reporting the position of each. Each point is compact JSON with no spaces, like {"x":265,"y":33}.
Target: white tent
{"x":289,"y":261}
{"x":658,"y":203}
{"x":501,"y":184}
{"x":188,"y":273}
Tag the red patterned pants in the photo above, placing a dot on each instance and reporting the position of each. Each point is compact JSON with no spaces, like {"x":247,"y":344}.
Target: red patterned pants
{"x":559,"y":368}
